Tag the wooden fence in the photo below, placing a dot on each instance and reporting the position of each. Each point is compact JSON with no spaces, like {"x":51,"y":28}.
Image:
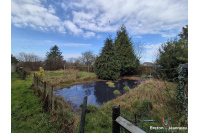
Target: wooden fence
{"x":46,"y":90}
{"x":120,"y":122}
{"x":48,"y":94}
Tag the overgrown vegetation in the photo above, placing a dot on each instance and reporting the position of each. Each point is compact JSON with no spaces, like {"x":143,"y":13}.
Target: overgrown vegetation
{"x":68,"y":77}
{"x":40,"y":74}
{"x":181,"y":94}
{"x":171,"y":54}
{"x":28,"y":114}
{"x":150,"y":100}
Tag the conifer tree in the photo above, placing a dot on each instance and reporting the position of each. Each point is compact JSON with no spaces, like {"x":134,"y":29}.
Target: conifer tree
{"x":171,"y":54}
{"x":54,"y":59}
{"x":129,"y":62}
{"x":107,"y":65}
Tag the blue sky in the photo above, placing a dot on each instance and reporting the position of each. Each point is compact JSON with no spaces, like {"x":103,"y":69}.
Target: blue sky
{"x":76,"y":26}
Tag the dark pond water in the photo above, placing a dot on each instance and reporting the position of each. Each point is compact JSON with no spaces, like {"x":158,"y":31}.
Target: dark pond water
{"x":98,"y":92}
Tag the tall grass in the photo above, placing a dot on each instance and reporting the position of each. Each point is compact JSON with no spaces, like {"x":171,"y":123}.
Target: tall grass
{"x":29,"y":115}
{"x":68,"y":77}
{"x":150,"y":100}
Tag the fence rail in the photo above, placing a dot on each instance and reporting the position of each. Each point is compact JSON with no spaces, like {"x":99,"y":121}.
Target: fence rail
{"x":119,"y":122}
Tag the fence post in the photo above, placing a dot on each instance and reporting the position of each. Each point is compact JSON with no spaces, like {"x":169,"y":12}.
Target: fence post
{"x":83,"y":115}
{"x":37,"y":80}
{"x":115,"y":114}
{"x":34,"y":78}
{"x":52,"y":98}
{"x":45,"y":86}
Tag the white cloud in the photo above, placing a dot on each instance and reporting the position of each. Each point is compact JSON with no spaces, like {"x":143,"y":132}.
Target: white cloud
{"x":87,"y":17}
{"x":150,"y":52}
{"x":32,"y":13}
{"x":137,"y":36}
{"x":140,"y":17}
{"x":67,"y":56}
{"x":88,"y":34}
{"x":72,"y":27}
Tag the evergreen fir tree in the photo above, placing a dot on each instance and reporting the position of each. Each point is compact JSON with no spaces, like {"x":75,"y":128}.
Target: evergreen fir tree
{"x":124,"y":45}
{"x":107,"y":65}
{"x":54,"y":59}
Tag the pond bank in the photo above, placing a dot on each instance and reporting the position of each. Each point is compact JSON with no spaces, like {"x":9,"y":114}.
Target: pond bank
{"x":98,"y":92}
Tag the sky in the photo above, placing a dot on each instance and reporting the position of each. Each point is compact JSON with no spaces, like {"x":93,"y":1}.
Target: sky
{"x":76,"y":26}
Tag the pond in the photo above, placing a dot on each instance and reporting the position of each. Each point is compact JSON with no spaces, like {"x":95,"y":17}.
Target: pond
{"x":98,"y":92}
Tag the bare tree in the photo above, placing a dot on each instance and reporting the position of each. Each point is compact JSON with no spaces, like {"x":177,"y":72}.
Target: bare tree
{"x":138,"y":49}
{"x":88,"y":58}
{"x":71,"y":61}
{"x":30,"y":61}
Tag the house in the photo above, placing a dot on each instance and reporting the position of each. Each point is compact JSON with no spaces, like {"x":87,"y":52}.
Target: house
{"x":148,"y":64}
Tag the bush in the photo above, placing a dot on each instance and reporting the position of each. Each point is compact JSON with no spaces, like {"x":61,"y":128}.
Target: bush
{"x":171,"y":54}
{"x":91,"y":108}
{"x":40,"y":74}
{"x":28,"y":71}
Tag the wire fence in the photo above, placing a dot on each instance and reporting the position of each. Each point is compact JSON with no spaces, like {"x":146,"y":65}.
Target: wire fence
{"x":54,"y":103}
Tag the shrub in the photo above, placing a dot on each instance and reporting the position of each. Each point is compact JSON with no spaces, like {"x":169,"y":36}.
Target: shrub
{"x":91,"y":108}
{"x":40,"y":74}
{"x":28,"y":71}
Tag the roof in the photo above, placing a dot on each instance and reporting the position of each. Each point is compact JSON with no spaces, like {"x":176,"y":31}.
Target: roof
{"x":185,"y":65}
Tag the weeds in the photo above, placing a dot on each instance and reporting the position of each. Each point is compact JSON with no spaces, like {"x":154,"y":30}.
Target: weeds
{"x":30,"y":111}
{"x":149,"y":101}
{"x":68,"y":77}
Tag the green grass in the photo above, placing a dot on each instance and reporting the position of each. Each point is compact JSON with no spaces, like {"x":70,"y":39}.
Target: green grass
{"x":68,"y":77}
{"x":26,"y":108}
{"x":152,"y":103}
{"x":27,"y":114}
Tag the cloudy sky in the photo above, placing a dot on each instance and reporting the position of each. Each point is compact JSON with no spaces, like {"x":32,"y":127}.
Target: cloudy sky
{"x":76,"y":26}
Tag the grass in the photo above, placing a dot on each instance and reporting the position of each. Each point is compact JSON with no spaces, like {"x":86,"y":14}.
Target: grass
{"x":110,"y":84}
{"x":150,"y":100}
{"x":27,"y":112}
{"x":68,"y":77}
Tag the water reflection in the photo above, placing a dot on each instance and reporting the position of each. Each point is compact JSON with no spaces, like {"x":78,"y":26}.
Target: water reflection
{"x":98,"y":92}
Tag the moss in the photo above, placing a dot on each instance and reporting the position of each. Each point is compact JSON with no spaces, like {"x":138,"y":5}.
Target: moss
{"x":126,"y":88}
{"x":110,"y":84}
{"x":116,"y":92}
